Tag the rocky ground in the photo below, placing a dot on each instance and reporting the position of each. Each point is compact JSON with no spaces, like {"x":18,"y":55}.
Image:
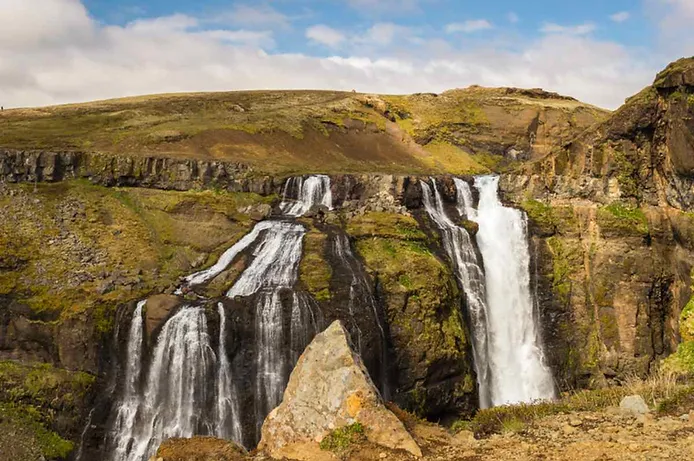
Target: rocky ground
{"x":604,"y":436}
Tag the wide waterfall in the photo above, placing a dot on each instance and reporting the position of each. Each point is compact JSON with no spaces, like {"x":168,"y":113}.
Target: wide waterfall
{"x":176,"y":387}
{"x":461,"y":251}
{"x":187,"y":389}
{"x":519,"y":373}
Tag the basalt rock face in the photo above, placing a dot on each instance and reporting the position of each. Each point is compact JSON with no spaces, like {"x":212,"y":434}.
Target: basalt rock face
{"x":134,"y":171}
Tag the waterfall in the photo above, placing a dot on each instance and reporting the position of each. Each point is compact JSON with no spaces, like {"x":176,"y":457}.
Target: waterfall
{"x":361,"y":306}
{"x":228,"y":421}
{"x":129,"y":403}
{"x":519,"y":373}
{"x":174,"y":401}
{"x":461,"y":251}
{"x":300,"y":194}
{"x":183,"y":388}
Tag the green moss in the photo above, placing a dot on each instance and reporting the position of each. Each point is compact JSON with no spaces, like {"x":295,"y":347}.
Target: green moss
{"x":147,"y":238}
{"x":687,"y":322}
{"x":388,"y":225}
{"x":627,"y":166}
{"x":314,"y":271}
{"x":623,"y":219}
{"x":28,"y":418}
{"x":541,"y":214}
{"x":342,"y":439}
{"x":564,"y":264}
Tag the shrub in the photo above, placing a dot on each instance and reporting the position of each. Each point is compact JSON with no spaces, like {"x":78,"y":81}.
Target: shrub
{"x":340,"y":440}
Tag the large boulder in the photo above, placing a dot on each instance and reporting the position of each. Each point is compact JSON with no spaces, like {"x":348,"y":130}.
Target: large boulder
{"x":330,"y":389}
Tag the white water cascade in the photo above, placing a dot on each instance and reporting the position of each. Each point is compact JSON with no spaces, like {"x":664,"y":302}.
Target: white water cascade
{"x":176,"y":387}
{"x":518,"y":371}
{"x":184,"y":388}
{"x":227,"y":404}
{"x":461,"y":251}
{"x":300,"y":194}
{"x":124,"y":424}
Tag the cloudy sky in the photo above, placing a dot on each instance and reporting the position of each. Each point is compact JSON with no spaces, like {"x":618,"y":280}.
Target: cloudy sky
{"x":58,"y":51}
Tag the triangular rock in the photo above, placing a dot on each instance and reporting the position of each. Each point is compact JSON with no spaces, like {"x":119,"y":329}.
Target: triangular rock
{"x":328,"y":389}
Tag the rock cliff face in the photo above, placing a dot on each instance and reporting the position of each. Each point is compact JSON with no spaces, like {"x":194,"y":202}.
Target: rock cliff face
{"x":612,"y":231}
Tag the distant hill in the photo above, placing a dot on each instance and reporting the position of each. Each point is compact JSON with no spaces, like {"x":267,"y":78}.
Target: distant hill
{"x":471,"y":130}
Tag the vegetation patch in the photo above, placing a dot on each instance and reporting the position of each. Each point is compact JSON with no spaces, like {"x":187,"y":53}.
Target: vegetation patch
{"x":28,"y":426}
{"x":314,"y":270}
{"x":386,"y":225}
{"x":660,"y":390}
{"x":681,"y":402}
{"x":74,"y":247}
{"x":341,"y":440}
{"x":623,"y":220}
{"x":541,"y":214}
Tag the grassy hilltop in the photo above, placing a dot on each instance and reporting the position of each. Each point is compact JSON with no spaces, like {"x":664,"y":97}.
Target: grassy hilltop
{"x":471,"y":130}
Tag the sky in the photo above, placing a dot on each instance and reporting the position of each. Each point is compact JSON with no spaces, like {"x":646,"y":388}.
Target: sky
{"x":599,"y":51}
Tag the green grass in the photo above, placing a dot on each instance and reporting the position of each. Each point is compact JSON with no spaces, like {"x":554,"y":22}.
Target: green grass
{"x":342,"y":439}
{"x":50,"y":444}
{"x":624,"y":219}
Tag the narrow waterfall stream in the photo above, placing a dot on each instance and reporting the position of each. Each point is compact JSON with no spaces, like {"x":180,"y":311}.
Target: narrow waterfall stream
{"x":362,"y":307}
{"x":519,"y":373}
{"x":461,"y":251}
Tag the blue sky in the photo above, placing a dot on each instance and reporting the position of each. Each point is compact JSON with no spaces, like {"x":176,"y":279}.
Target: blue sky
{"x":54,"y":51}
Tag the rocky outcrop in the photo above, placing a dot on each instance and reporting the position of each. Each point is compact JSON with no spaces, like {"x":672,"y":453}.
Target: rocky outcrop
{"x":328,"y":389}
{"x":122,"y":170}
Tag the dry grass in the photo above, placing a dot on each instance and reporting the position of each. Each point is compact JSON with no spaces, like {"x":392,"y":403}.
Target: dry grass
{"x":664,"y":389}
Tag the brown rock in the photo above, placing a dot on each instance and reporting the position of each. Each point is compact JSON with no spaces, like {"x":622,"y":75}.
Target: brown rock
{"x":199,"y":449}
{"x":158,"y":308}
{"x":330,"y":388}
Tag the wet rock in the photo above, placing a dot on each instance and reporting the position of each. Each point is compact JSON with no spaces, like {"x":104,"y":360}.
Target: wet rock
{"x":633,"y":405}
{"x":158,"y":308}
{"x":328,"y":389}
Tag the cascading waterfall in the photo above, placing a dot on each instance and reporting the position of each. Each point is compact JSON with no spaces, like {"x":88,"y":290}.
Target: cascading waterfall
{"x":173,"y":403}
{"x":361,"y":303}
{"x":314,"y":190}
{"x":461,"y":251}
{"x":124,"y":424}
{"x":185,"y":389}
{"x":519,"y":373}
{"x":227,"y":405}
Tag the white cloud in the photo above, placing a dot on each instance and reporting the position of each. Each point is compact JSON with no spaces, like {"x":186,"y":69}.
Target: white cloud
{"x":257,"y":16}
{"x":622,"y":16}
{"x":383,"y":34}
{"x":473,"y":25}
{"x":57,"y":54}
{"x":377,"y":6}
{"x":579,"y":29}
{"x":674,"y":19}
{"x":325,"y":35}
{"x":512,"y":17}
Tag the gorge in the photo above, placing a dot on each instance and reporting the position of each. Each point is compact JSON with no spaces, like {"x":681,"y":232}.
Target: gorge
{"x":520,"y":246}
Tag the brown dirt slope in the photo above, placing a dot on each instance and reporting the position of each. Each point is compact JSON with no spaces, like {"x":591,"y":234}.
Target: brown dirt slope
{"x":459,"y":131}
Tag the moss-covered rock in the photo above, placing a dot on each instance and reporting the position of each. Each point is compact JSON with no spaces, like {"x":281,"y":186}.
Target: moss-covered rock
{"x":424,"y":313}
{"x":44,"y":405}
